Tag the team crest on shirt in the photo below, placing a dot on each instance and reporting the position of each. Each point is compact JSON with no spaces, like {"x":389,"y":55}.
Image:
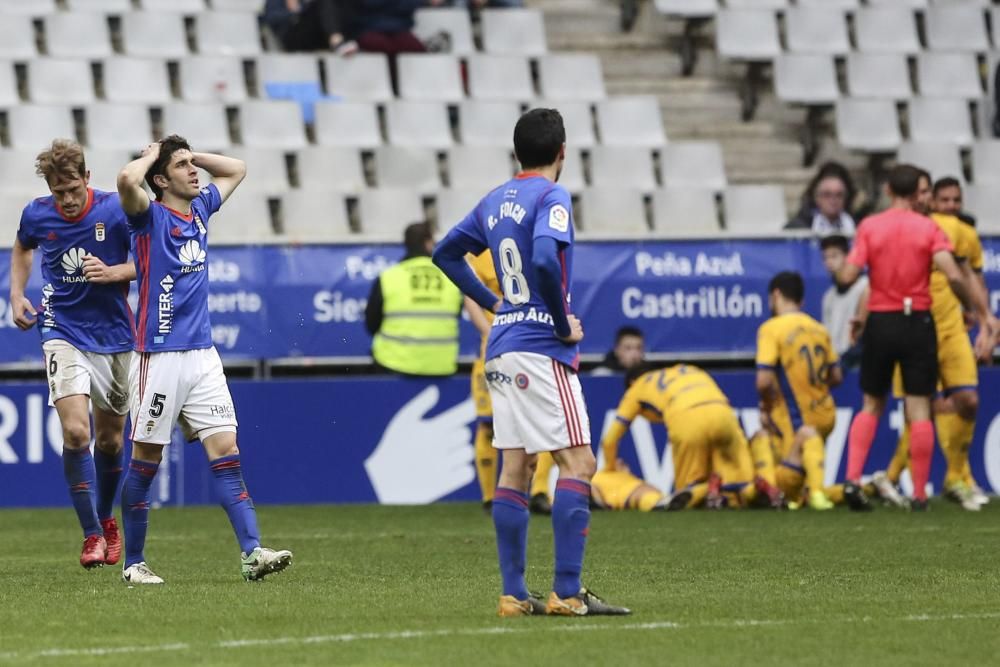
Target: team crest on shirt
{"x":99,"y":231}
{"x":521,"y":380}
{"x":559,"y":218}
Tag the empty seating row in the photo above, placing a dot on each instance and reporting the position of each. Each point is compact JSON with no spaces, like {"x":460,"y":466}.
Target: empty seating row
{"x":706,"y":8}
{"x":873,"y":125}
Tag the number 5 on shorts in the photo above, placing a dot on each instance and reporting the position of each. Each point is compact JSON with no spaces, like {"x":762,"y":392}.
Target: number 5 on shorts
{"x":156,"y":405}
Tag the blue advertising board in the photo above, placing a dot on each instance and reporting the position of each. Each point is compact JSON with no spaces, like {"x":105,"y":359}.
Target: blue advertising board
{"x":391,"y":440}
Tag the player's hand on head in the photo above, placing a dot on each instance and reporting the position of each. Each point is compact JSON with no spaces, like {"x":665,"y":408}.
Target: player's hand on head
{"x":25,"y":314}
{"x":575,"y":331}
{"x":152,"y":150}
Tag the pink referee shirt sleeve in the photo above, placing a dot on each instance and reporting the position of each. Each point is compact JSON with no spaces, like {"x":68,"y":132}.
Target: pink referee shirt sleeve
{"x":859,"y":253}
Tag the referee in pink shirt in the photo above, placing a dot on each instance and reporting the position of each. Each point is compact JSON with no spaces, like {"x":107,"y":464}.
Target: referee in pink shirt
{"x":900,"y":247}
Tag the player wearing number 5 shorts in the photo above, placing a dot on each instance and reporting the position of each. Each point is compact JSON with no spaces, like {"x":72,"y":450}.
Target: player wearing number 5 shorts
{"x":86,"y":330}
{"x":532,"y":356}
{"x":177,"y":376}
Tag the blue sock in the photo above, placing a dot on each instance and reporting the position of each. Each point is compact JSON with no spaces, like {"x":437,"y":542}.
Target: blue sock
{"x":510,"y":517}
{"x":570,"y":525}
{"x":109,"y":473}
{"x":135,"y":508}
{"x":233,"y":496}
{"x":78,"y":467}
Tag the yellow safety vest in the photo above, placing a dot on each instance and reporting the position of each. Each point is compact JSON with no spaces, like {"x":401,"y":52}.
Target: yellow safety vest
{"x":420,"y":310}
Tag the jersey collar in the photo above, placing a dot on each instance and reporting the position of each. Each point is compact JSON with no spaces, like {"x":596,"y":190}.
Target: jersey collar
{"x":528,"y":174}
{"x":186,"y":218}
{"x":83,"y":213}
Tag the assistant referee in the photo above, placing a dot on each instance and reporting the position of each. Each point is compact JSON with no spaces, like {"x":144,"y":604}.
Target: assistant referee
{"x":900,"y":247}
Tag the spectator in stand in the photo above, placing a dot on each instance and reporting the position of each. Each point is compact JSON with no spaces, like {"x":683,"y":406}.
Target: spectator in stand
{"x":826,"y":202}
{"x":386,"y":26}
{"x":312,"y":25}
{"x":840,"y":302}
{"x":629,"y":351}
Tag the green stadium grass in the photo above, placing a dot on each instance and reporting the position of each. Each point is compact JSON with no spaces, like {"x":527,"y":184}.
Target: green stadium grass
{"x":418,"y":586}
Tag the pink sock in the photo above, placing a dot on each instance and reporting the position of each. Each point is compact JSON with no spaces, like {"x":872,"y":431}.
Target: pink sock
{"x":921,"y":453}
{"x":859,"y":442}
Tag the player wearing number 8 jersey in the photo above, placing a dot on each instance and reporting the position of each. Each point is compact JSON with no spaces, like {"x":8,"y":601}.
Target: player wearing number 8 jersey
{"x":532,"y":355}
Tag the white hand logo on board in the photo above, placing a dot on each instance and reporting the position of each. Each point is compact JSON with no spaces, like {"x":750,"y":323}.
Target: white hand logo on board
{"x":419,"y":460}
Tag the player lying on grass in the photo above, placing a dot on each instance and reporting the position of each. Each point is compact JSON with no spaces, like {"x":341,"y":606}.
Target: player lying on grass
{"x":86,"y":331}
{"x":176,"y":375}
{"x":711,"y":456}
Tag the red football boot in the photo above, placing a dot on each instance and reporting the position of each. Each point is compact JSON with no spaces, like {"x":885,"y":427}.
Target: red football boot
{"x":94,"y":549}
{"x":114,"y":540}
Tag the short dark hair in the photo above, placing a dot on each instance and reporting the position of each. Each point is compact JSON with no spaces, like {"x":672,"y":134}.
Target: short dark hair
{"x":946,"y":182}
{"x":538,"y":137}
{"x":790,"y":285}
{"x":835,"y":241}
{"x":168,"y":146}
{"x":904,"y":179}
{"x":627,"y":331}
{"x":415,"y":238}
{"x":637,"y":371}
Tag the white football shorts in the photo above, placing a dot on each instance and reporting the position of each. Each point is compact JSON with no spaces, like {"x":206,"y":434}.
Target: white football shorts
{"x":102,"y":377}
{"x":185,"y":388}
{"x":538,"y":403}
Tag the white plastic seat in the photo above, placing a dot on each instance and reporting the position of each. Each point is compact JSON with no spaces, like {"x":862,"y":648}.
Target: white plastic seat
{"x":571,"y":76}
{"x":272,"y":124}
{"x":817,"y":29}
{"x":886,"y":29}
{"x":8,"y":86}
{"x":939,"y":159}
{"x":693,"y":164}
{"x":330,"y":168}
{"x":253,"y":6}
{"x":954,"y":75}
{"x":60,"y":81}
{"x":940,"y":120}
{"x":353,"y":124}
{"x":451,"y":20}
{"x":287,"y":67}
{"x":136,"y":80}
{"x":81,"y":35}
{"x":956,"y":27}
{"x":102,"y":6}
{"x":611,"y":210}
{"x":622,"y":167}
{"x":364,"y":77}
{"x":204,"y":125}
{"x":631,"y":121}
{"x":315,"y":216}
{"x":418,"y":124}
{"x":267,"y":172}
{"x":878,"y":75}
{"x":777,"y":5}
{"x":478,"y":168}
{"x":17,"y":173}
{"x":687,"y":8}
{"x":685,"y":212}
{"x":180,"y":6}
{"x":868,"y":125}
{"x":513,"y":32}
{"x":911,"y":4}
{"x":31,"y":8}
{"x":838,"y":4}
{"x":17,"y":37}
{"x":227,"y":34}
{"x":983,"y":201}
{"x":453,"y":205}
{"x":104,"y":165}
{"x":429,"y":77}
{"x":114,"y":125}
{"x":805,"y":79}
{"x":747,"y":34}
{"x":487,"y":123}
{"x":385,"y":212}
{"x":577,"y":119}
{"x":754,"y":210}
{"x":571,"y":177}
{"x":410,"y":168}
{"x":244,"y":218}
{"x":33,"y":126}
{"x":986,"y":161}
{"x":494,"y":78}
{"x":212,"y":79}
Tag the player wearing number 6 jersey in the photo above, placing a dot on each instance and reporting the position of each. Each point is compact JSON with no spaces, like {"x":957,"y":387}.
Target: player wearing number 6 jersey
{"x":532,"y":355}
{"x":177,"y":376}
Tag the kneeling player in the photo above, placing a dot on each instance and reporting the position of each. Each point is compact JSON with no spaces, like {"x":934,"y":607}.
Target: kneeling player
{"x":618,"y":489}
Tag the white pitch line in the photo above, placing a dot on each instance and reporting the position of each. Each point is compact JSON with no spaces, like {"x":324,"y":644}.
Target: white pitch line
{"x":480,"y":632}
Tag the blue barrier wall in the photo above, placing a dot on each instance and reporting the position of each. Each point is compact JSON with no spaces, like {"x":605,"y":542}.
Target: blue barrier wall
{"x":395,"y":441}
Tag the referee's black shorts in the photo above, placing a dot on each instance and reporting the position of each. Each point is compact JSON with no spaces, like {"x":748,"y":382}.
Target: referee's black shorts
{"x":909,"y":340}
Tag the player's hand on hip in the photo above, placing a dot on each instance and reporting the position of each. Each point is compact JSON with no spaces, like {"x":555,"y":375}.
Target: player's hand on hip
{"x":96,"y":271}
{"x":857,"y":329}
{"x":25,"y":314}
{"x":575,"y":331}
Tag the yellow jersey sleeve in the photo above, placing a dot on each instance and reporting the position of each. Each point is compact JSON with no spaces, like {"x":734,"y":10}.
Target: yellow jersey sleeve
{"x":768,"y":345}
{"x":975,"y":255}
{"x":628,"y":409}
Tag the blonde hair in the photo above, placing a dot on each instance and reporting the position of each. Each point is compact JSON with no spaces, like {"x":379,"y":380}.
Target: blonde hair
{"x":64,"y":158}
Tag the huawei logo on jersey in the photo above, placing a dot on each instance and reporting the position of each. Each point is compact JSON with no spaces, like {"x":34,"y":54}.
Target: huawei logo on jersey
{"x":193,"y":256}
{"x":72,"y":263}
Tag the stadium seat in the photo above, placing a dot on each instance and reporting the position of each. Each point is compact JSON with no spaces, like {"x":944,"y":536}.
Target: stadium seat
{"x":82,"y":35}
{"x":487,"y":123}
{"x":385,"y":212}
{"x":747,"y":34}
{"x":30,"y":8}
{"x":14,"y":202}
{"x":986,"y":161}
{"x":8,"y":86}
{"x":430,"y":77}
{"x":631,"y":121}
{"x":685,"y":212}
{"x":115,"y":125}
{"x":983,"y":201}
{"x":418,"y":124}
{"x":937,"y":119}
{"x":212,"y":79}
{"x":499,"y":78}
{"x":838,"y":4}
{"x":287,"y":67}
{"x":577,"y":119}
{"x":17,"y":38}
{"x":452,"y":205}
{"x":478,"y":168}
{"x":571,"y":76}
{"x":515,"y":32}
{"x":204,"y":125}
{"x":687,"y":8}
{"x":102,"y":6}
{"x":622,"y":167}
{"x":17,"y":173}
{"x":754,"y":210}
{"x":104,"y":165}
{"x":136,"y":80}
{"x":227,"y":34}
{"x":572,"y":173}
{"x":817,"y":30}
{"x":364,"y":77}
{"x":244,"y":218}
{"x":314,"y":216}
{"x":878,"y":75}
{"x":33,"y":126}
{"x":352,"y":124}
{"x":758,"y":4}
{"x":939,"y":159}
{"x":410,"y":168}
{"x":912,"y":4}
{"x":180,"y":6}
{"x":868,"y":125}
{"x":948,"y":75}
{"x":267,"y":171}
{"x":956,"y":27}
{"x":611,"y":211}
{"x":805,"y":79}
{"x":255,"y":6}
{"x":330,"y":168}
{"x":60,"y":81}
{"x":693,"y":164}
{"x":451,"y":20}
{"x":887,"y":28}
{"x":272,"y":124}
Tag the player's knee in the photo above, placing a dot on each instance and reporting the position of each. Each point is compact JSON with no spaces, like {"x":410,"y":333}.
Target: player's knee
{"x":148,"y":453}
{"x":109,"y":441}
{"x":581,"y":467}
{"x":76,"y":434}
{"x":966,"y":404}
